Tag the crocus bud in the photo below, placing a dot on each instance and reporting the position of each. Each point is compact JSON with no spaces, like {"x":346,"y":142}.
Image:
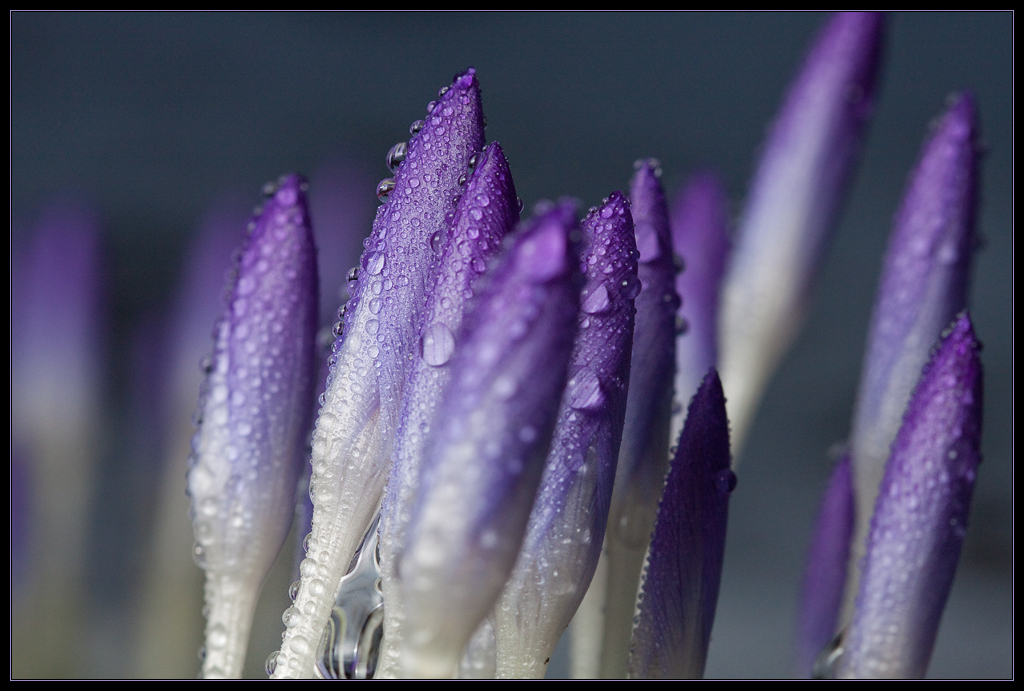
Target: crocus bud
{"x":643,"y":457}
{"x":676,"y":607}
{"x":923,"y":286}
{"x":701,"y":241}
{"x":793,"y":201}
{"x":825,"y":573}
{"x":377,"y":339}
{"x":566,"y":528}
{"x":486,"y":454}
{"x":487,"y":211}
{"x":255,"y":414}
{"x":920,"y":518}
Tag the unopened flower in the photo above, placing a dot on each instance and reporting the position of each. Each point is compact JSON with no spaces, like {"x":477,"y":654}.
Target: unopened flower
{"x":256,"y":407}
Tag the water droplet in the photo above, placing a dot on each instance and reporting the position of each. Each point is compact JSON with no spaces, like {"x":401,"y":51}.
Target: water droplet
{"x":375,"y":263}
{"x":725,"y":481}
{"x":462,"y":180}
{"x":597,"y":301}
{"x":396,"y":155}
{"x":218,"y":636}
{"x":437,"y":242}
{"x":519,"y":204}
{"x":271,"y":663}
{"x":474,"y":159}
{"x":339,"y":327}
{"x":585,"y":391}
{"x":352,"y":275}
{"x":305,"y":542}
{"x":384,"y":188}
{"x":438,"y":344}
{"x":293,"y":590}
{"x":416,"y":127}
{"x":291,"y":616}
{"x":299,"y":645}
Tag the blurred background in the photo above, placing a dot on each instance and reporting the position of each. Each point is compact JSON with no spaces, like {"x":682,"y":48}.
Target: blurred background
{"x":140,"y":142}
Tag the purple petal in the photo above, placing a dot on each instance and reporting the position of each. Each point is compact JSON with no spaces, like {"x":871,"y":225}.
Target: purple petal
{"x":255,"y":415}
{"x":484,"y":459}
{"x":825,"y":573}
{"x":700,"y":237}
{"x":923,"y":286}
{"x":358,"y":420}
{"x":676,"y":607}
{"x":643,"y":458}
{"x":487,"y":211}
{"x":793,"y":201}
{"x":920,"y":518}
{"x":566,"y":528}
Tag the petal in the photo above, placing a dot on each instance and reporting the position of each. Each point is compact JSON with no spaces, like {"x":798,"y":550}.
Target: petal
{"x":923,"y":286}
{"x":351,"y":443}
{"x":487,"y":211}
{"x":825,"y":572}
{"x":643,"y":457}
{"x":566,"y":527}
{"x":920,"y":517}
{"x":256,"y":409}
{"x":700,"y":238}
{"x":676,"y":606}
{"x":798,"y":187}
{"x":485,"y":457}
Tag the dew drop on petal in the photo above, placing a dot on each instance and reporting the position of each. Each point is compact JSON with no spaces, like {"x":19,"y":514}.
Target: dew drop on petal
{"x":585,"y":391}
{"x":438,"y":344}
{"x":597,"y":301}
{"x":725,"y":481}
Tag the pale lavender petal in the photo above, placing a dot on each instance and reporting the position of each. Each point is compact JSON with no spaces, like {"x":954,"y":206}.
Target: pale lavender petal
{"x":487,"y":211}
{"x":923,"y":286}
{"x":485,"y":457}
{"x":676,"y":606}
{"x":700,"y":238}
{"x":796,"y":192}
{"x":566,"y":528}
{"x":643,"y":457}
{"x":920,"y":517}
{"x":825,"y":572}
{"x":255,"y":408}
{"x":358,"y":419}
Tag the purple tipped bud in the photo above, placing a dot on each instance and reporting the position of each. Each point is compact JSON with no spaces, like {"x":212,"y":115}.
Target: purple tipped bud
{"x":255,"y":415}
{"x":380,"y":337}
{"x":566,"y":527}
{"x":825,"y":573}
{"x":920,"y":517}
{"x":923,"y":286}
{"x":793,"y":201}
{"x":700,"y":239}
{"x":677,"y":600}
{"x":643,"y":457}
{"x":486,"y":212}
{"x":486,"y":454}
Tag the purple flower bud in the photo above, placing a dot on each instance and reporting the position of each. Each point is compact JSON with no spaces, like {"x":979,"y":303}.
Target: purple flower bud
{"x":923,"y":286}
{"x":566,"y":527}
{"x":486,"y":212}
{"x":825,"y":573}
{"x":55,"y":414}
{"x":485,"y":457}
{"x":359,"y":416}
{"x":920,"y":517}
{"x":793,"y":201}
{"x":255,"y":415}
{"x":700,"y":238}
{"x":643,"y":458}
{"x":676,"y":607}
